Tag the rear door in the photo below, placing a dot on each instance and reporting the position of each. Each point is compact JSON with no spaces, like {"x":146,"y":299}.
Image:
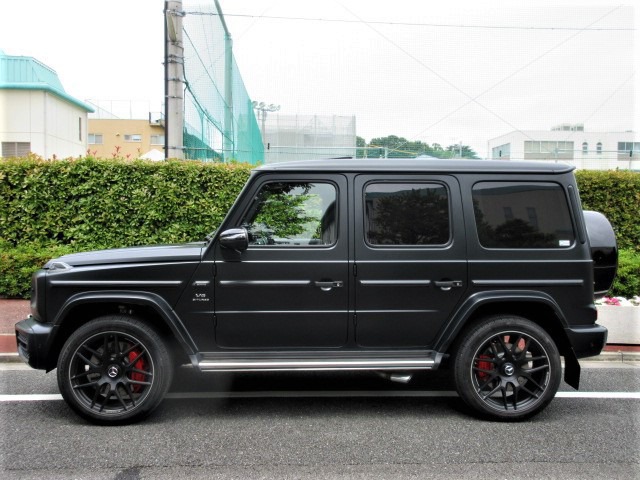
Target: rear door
{"x":411,"y":268}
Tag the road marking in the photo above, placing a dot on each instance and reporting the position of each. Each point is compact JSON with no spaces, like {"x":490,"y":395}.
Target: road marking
{"x":335,"y":394}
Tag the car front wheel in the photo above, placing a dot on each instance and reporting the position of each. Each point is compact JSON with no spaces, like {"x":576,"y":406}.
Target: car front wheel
{"x":507,"y":368}
{"x":114,"y":369}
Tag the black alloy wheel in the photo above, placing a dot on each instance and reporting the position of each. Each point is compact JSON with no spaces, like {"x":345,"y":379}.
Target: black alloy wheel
{"x":114,"y":370}
{"x":507,"y":368}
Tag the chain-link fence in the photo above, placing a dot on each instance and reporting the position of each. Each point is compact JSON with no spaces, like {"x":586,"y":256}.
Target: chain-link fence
{"x":219,"y":121}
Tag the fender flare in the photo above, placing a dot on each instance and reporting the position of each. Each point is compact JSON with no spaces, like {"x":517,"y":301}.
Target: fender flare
{"x":470,"y":306}
{"x":465,"y":311}
{"x":147,"y":299}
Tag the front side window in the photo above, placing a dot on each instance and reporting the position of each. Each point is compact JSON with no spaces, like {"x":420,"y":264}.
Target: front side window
{"x":406,"y":214}
{"x":293,"y":214}
{"x":522,"y":215}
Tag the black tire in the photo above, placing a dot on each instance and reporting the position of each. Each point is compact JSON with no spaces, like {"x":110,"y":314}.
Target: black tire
{"x":114,"y":370}
{"x":506,"y":368}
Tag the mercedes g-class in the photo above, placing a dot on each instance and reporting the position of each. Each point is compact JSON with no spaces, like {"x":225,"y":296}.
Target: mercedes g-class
{"x":487,"y":268}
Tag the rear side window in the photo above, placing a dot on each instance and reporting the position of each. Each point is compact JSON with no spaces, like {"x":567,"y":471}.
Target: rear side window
{"x":406,"y":214}
{"x":522,"y":215}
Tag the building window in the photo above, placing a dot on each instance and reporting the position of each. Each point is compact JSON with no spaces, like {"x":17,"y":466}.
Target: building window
{"x":133,"y":137}
{"x":80,"y":128}
{"x":628,"y":149}
{"x":157,"y":139}
{"x":15,"y":149}
{"x":585,"y":148}
{"x":548,"y":150}
{"x":95,"y":139}
{"x":501,"y":152}
{"x":599,"y":148}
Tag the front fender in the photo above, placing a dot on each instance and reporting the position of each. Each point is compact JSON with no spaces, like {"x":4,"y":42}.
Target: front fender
{"x":146,"y":299}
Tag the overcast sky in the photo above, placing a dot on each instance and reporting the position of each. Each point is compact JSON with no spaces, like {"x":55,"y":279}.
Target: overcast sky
{"x":432,"y":71}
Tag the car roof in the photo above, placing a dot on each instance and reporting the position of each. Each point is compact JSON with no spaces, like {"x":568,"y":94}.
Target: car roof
{"x":417,"y":165}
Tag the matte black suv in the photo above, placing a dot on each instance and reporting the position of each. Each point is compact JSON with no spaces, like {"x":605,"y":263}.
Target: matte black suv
{"x":488,"y":268}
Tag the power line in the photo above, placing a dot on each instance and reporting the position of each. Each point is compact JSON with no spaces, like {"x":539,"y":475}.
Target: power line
{"x":417,"y":24}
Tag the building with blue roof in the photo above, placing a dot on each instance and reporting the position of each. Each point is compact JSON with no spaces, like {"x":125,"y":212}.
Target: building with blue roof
{"x":36,"y":113}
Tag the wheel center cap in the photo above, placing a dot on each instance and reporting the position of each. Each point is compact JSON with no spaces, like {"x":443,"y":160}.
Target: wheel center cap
{"x":113,"y":371}
{"x":509,"y":369}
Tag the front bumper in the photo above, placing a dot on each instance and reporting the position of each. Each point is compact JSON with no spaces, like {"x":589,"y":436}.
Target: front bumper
{"x":587,"y":341}
{"x":32,"y":340}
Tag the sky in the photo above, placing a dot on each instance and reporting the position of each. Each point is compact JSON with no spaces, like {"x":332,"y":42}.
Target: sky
{"x":438,"y":72}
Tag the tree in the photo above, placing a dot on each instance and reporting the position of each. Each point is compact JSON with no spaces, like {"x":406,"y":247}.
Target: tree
{"x":393,"y":146}
{"x":467,"y":152}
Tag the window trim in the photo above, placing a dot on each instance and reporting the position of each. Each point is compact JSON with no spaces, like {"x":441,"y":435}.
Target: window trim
{"x":281,"y":247}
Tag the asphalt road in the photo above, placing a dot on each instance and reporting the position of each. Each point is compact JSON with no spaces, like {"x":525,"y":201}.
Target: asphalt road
{"x":322,"y":426}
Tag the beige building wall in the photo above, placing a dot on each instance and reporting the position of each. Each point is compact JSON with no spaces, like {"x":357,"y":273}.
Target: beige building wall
{"x":110,"y":138}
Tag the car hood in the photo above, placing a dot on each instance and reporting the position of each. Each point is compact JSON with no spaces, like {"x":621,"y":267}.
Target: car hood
{"x":158,"y":253}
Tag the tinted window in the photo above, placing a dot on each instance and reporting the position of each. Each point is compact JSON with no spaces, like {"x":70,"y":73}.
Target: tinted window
{"x":522,"y":215}
{"x":293,"y":213}
{"x":406,"y":214}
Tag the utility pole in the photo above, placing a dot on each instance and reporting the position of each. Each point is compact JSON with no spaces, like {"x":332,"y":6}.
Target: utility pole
{"x":173,"y":80}
{"x":261,"y":109}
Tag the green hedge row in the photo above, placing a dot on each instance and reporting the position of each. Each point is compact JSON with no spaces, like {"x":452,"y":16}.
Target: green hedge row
{"x":616,"y":194}
{"x":50,"y":208}
{"x":90,"y":204}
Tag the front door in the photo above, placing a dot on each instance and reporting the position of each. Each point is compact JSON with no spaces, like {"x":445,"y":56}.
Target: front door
{"x":290,"y":288}
{"x":410,"y":258}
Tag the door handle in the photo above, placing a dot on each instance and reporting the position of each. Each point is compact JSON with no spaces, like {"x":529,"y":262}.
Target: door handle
{"x":446,"y":285}
{"x":326,"y":286}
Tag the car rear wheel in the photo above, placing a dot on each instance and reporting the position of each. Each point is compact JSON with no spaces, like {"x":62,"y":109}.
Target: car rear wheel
{"x":507,"y":368}
{"x":114,"y":370}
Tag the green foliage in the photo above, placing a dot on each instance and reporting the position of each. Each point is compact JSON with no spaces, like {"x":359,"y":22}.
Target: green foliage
{"x":54,"y":207}
{"x":400,"y":147}
{"x":17,"y":265}
{"x":627,"y":282}
{"x":616,"y":194}
{"x":91,"y":204}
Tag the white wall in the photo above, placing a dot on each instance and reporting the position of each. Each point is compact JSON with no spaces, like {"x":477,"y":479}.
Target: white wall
{"x":607,"y":159}
{"x":44,"y":119}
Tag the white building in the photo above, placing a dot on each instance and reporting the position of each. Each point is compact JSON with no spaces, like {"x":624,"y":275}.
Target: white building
{"x":36,"y":114}
{"x":570,"y":144}
{"x":305,"y":137}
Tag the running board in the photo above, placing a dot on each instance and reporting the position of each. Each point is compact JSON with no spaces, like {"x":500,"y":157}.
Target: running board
{"x":290,"y":362}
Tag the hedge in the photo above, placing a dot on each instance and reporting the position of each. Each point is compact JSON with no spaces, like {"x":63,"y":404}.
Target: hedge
{"x":616,"y":194}
{"x":91,"y":204}
{"x":50,"y":208}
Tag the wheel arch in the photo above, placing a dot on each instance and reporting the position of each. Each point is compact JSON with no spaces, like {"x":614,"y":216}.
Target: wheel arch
{"x":148,"y":307}
{"x":535,"y":306}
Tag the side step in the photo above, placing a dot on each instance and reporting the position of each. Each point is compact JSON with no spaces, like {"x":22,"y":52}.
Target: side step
{"x":319,"y":361}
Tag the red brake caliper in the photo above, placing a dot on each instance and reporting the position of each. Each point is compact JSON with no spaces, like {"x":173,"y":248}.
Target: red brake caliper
{"x":484,"y":366}
{"x":140,"y":364}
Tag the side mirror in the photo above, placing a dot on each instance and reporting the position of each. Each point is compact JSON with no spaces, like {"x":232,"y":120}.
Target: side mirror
{"x":235,"y":239}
